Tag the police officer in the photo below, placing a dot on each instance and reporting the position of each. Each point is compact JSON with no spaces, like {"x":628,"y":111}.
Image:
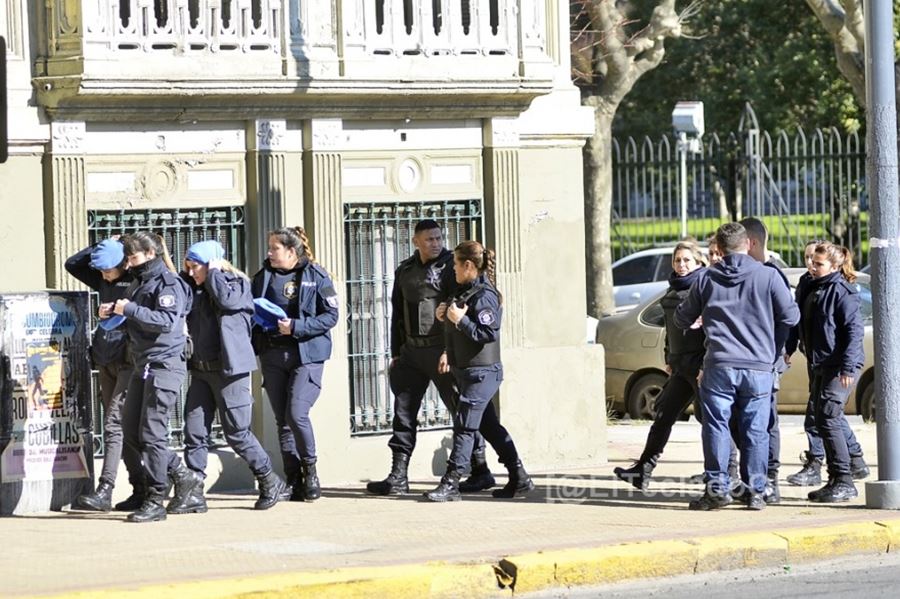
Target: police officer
{"x":421,"y":283}
{"x":155,"y":306}
{"x":472,"y":324}
{"x":293,"y":355}
{"x":220,"y":364}
{"x":102,"y":268}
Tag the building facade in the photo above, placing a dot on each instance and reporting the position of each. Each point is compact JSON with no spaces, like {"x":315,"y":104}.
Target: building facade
{"x":353,"y":118}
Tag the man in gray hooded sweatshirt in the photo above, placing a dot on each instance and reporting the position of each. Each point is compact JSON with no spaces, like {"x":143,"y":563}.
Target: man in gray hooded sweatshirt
{"x":742,"y":303}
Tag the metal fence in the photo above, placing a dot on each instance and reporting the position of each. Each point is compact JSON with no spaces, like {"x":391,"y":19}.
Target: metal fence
{"x":378,"y":237}
{"x":180,"y":228}
{"x":803,"y":186}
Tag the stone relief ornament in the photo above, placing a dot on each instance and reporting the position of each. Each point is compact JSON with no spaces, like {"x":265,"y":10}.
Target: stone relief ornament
{"x":270,"y":134}
{"x":67,"y":137}
{"x":160,"y":180}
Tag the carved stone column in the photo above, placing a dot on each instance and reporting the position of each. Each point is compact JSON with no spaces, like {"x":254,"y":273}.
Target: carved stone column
{"x":267,"y":185}
{"x":323,"y":205}
{"x":314,"y":37}
{"x":503,"y":226}
{"x":65,"y":214}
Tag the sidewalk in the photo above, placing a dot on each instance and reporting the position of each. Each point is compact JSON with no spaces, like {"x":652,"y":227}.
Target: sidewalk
{"x":578,"y":527}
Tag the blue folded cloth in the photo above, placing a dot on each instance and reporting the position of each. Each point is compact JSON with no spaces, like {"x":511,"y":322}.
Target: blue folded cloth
{"x":108,"y":324}
{"x":267,"y":314}
{"x":204,"y":252}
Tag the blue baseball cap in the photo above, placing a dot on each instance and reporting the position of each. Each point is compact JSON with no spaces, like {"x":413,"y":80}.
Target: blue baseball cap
{"x":108,"y":324}
{"x":267,"y":314}
{"x":203,"y":252}
{"x":109,"y":253}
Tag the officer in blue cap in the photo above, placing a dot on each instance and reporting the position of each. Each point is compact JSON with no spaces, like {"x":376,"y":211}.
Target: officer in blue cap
{"x":220,"y":365}
{"x":421,"y":283}
{"x":102,"y":268}
{"x":292,"y":355}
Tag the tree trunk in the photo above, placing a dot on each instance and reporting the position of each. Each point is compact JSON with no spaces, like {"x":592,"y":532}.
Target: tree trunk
{"x":598,"y":211}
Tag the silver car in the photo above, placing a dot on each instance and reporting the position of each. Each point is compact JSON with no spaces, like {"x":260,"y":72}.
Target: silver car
{"x":635,"y":365}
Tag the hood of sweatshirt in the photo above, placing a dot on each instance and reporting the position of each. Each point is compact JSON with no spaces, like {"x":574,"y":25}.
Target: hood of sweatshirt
{"x":733,"y":269}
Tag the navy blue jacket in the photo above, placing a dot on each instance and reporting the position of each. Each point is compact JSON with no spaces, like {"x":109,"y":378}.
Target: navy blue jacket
{"x":836,"y":339}
{"x":794,"y":340}
{"x":314,"y":313}
{"x":684,"y":347}
{"x":742,"y":303}
{"x":226,"y":301}
{"x":475,"y":339}
{"x":159,"y":302}
{"x":107,"y":347}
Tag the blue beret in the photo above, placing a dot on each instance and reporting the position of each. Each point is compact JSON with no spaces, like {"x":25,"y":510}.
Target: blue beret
{"x":267,"y":314}
{"x":109,"y":253}
{"x":203,"y":252}
{"x":108,"y":324}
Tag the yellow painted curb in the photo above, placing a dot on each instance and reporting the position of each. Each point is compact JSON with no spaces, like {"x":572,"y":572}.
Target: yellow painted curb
{"x":750,"y":550}
{"x":831,"y":541}
{"x":574,"y":567}
{"x":893,"y":529}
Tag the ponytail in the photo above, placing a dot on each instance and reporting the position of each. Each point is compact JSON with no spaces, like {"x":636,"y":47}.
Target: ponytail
{"x":484,"y":259}
{"x":847,"y":267}
{"x":839,"y":257}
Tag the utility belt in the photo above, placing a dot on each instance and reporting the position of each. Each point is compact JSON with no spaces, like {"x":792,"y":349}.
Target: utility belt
{"x":429,"y":341}
{"x":205,"y":365}
{"x":263,"y":341}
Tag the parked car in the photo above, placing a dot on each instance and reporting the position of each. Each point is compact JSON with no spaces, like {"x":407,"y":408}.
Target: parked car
{"x":634,"y":343}
{"x":642,"y":274}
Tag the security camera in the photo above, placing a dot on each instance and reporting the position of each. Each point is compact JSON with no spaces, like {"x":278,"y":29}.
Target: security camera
{"x":688,"y":118}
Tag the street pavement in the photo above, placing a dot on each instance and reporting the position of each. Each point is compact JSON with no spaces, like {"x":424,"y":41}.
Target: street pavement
{"x":349,"y":542}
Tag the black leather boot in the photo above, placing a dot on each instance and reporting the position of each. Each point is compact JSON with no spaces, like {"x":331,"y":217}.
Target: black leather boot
{"x":858,"y":468}
{"x":838,"y":489}
{"x":481,"y":478}
{"x":637,"y":476}
{"x":184,"y":481}
{"x":396,"y":482}
{"x":195,"y":503}
{"x":270,"y":489}
{"x":134,"y":501}
{"x":519,"y":482}
{"x":810,"y":474}
{"x":98,"y":501}
{"x":151,"y":510}
{"x":447,"y":489}
{"x":311,"y":488}
{"x":772,"y":493}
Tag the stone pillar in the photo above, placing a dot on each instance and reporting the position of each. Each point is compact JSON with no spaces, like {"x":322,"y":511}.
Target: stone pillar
{"x":266,"y":185}
{"x":503,"y":222}
{"x":314,"y":37}
{"x":66,"y":215}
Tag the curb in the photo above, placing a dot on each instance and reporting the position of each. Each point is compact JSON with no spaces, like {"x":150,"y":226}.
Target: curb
{"x":544,"y":570}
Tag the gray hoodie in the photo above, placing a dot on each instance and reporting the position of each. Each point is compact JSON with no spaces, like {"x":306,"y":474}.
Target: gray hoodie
{"x":741,"y":302}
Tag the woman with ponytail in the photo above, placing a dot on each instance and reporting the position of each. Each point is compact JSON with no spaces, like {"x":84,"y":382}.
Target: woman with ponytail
{"x":154,"y":307}
{"x":831,"y":329}
{"x":296,"y":308}
{"x":472,"y":332}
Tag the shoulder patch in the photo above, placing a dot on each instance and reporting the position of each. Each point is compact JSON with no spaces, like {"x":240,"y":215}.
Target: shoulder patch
{"x":333,"y":301}
{"x":486,"y":316}
{"x":167,"y":300}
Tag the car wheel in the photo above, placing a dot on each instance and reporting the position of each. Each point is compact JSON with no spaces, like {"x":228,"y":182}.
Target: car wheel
{"x":643,"y":394}
{"x":867,"y":402}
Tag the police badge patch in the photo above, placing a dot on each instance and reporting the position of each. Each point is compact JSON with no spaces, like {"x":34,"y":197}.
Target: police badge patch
{"x":333,"y":301}
{"x":486,"y":316}
{"x":433,"y":276}
{"x":166,"y":301}
{"x":290,"y":289}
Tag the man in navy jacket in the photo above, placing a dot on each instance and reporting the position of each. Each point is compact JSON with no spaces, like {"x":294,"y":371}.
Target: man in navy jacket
{"x":742,"y":304}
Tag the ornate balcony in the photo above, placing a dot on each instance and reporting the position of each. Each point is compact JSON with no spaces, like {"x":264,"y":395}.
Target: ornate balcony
{"x":296,"y":52}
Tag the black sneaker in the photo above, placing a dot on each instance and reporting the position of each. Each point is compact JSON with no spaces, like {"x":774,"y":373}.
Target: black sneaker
{"x":756,"y":502}
{"x":709,"y":502}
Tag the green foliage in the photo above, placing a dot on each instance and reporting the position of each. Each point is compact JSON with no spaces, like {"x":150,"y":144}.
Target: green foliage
{"x":772,"y":53}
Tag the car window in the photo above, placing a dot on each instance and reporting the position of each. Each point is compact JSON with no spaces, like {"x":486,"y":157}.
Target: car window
{"x":639,"y":270}
{"x":865,"y":303}
{"x":653,"y":315}
{"x":664,"y":269}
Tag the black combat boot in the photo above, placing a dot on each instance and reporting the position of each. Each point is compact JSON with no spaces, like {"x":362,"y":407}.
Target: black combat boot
{"x":810,"y":474}
{"x":134,"y":501}
{"x":270,"y":489}
{"x":98,"y":501}
{"x":311,"y":488}
{"x":710,"y":502}
{"x":772,"y":494}
{"x":194,"y":504}
{"x":839,"y":489}
{"x":184,"y":481}
{"x":151,"y":510}
{"x":396,"y":482}
{"x":858,"y":468}
{"x":447,"y":490}
{"x":519,"y":482}
{"x":637,"y":476}
{"x":481,"y":478}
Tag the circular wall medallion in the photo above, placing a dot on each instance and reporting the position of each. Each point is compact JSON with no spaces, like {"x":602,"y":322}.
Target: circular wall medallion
{"x":159,"y":180}
{"x":409,"y":175}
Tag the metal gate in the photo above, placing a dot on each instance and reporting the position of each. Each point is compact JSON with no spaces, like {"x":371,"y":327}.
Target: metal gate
{"x":378,"y":237}
{"x":180,"y":228}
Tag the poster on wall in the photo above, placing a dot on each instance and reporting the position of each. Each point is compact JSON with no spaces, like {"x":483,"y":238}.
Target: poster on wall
{"x":45,"y":439}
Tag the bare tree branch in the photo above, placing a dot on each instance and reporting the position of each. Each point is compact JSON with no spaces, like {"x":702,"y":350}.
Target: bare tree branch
{"x":844,"y":24}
